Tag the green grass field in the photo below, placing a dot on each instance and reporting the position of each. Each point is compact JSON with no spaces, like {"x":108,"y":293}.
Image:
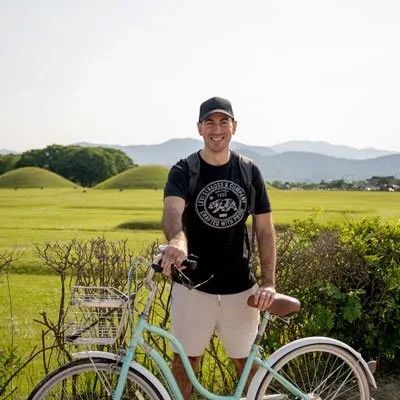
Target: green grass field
{"x":335,"y":206}
{"x":34,"y":216}
{"x":30,"y":294}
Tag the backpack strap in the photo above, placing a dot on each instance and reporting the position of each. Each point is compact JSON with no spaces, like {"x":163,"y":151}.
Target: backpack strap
{"x":246,"y":169}
{"x":194,"y":172}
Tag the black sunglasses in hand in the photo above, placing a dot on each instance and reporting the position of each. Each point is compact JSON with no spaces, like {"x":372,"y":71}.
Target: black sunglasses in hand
{"x":178,"y":274}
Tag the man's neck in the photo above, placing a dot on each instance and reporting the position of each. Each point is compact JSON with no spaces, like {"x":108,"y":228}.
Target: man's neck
{"x":212,"y":158}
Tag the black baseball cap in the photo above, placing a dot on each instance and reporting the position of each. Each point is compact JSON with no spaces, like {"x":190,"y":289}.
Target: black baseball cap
{"x":213,"y":105}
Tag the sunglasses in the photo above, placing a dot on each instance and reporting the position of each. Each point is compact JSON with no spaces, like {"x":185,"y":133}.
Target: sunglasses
{"x":185,"y":280}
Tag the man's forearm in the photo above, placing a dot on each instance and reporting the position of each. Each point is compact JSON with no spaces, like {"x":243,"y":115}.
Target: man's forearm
{"x":267,"y":254}
{"x":172,"y":227}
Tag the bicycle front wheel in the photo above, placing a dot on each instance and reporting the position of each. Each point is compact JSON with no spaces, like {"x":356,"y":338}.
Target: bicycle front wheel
{"x":93,"y":379}
{"x":322,"y":371}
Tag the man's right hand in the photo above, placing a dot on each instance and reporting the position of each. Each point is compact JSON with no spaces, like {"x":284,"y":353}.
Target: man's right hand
{"x":173,"y":254}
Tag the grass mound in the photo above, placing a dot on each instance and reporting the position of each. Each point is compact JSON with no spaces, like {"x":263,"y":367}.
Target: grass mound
{"x":145,"y":177}
{"x":33,"y":177}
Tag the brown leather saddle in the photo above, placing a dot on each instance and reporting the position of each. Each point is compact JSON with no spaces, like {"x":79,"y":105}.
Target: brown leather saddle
{"x":283,"y":305}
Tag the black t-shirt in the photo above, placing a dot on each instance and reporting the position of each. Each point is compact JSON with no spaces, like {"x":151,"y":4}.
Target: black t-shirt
{"x":214,"y":222}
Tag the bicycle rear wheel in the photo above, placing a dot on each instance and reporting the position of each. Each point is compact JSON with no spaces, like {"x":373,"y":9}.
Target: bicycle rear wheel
{"x":93,"y":379}
{"x":322,"y":371}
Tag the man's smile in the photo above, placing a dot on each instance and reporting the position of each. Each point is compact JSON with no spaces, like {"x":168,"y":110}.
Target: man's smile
{"x":216,"y":138}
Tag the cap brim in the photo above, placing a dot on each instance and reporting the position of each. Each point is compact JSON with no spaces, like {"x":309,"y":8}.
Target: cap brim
{"x":203,"y":117}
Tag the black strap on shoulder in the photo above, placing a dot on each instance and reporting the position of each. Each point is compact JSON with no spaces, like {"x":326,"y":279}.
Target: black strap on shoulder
{"x":194,"y":171}
{"x":246,"y":169}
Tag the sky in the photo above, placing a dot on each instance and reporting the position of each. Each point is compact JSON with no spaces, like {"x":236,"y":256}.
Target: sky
{"x":135,"y":72}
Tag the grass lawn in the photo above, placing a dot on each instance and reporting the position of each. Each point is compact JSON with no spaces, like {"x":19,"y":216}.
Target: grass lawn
{"x":334,"y":205}
{"x":34,"y":216}
{"x":30,"y":294}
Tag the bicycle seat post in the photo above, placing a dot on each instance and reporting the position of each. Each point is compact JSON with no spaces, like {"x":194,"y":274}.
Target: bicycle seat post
{"x":266,"y":317}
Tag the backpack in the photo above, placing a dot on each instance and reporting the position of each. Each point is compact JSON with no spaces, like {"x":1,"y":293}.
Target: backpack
{"x":246,"y":170}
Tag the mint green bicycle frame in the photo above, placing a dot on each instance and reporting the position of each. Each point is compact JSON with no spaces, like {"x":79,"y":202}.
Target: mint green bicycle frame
{"x":137,"y":339}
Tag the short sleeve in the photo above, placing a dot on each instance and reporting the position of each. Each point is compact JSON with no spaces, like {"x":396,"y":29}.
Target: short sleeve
{"x":178,"y":181}
{"x":262,"y":204}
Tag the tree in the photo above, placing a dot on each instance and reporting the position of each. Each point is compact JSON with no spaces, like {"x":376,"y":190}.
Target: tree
{"x":91,"y":165}
{"x":8,"y":161}
{"x":121,"y":160}
{"x":33,"y":158}
{"x":84,"y":165}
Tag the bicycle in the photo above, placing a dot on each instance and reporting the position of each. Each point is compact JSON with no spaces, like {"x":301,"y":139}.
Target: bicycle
{"x":312,"y":368}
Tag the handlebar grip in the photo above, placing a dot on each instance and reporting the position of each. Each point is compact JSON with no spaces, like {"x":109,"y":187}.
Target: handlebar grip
{"x":189,"y":263}
{"x":156,"y":267}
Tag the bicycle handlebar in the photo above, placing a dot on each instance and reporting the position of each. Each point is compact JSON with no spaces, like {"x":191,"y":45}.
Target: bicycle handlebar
{"x":190,"y":263}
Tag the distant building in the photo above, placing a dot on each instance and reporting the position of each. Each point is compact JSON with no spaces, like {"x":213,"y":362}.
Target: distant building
{"x":383,"y":183}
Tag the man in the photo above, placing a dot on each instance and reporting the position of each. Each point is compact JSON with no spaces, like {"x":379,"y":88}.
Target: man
{"x":210,"y":223}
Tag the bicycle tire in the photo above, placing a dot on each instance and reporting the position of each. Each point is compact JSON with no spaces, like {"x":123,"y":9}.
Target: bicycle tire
{"x":93,"y":379}
{"x":322,"y":371}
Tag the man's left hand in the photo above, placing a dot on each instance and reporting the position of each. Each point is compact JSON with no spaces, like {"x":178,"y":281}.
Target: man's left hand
{"x":264,"y":297}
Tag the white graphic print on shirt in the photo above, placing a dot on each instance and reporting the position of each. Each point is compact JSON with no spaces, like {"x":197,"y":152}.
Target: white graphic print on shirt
{"x":221,"y":204}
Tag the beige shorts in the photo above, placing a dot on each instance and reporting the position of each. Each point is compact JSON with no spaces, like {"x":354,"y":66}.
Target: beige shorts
{"x":195,"y":316}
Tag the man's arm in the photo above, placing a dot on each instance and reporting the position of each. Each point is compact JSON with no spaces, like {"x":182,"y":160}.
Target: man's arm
{"x":176,"y":251}
{"x":266,"y":240}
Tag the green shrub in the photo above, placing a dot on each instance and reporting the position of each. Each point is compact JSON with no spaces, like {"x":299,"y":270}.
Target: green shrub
{"x":347,"y":278}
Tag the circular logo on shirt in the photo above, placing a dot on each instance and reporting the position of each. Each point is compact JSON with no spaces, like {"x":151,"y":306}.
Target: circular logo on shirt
{"x":221,"y":204}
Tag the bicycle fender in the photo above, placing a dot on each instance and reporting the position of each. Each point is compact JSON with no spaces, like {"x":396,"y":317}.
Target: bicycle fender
{"x":134,"y":365}
{"x":261,"y":372}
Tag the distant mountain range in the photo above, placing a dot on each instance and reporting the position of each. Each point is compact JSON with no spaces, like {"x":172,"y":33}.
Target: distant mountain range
{"x":294,"y":161}
{"x":144,"y":154}
{"x":312,"y":167}
{"x":328,"y":149}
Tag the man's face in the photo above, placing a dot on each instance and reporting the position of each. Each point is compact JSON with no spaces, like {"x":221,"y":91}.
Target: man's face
{"x":217,"y":131}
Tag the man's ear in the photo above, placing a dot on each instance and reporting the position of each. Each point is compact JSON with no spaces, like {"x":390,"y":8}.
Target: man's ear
{"x":234,"y":126}
{"x":199,"y":128}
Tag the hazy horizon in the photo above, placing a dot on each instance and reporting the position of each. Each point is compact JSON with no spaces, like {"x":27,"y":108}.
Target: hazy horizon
{"x":199,"y":138}
{"x":131,"y":73}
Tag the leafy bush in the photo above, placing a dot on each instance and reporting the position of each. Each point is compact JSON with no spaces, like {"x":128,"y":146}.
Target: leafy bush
{"x":347,"y":278}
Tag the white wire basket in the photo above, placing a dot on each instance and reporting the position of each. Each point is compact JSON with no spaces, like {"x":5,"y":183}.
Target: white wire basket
{"x":96,"y":315}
